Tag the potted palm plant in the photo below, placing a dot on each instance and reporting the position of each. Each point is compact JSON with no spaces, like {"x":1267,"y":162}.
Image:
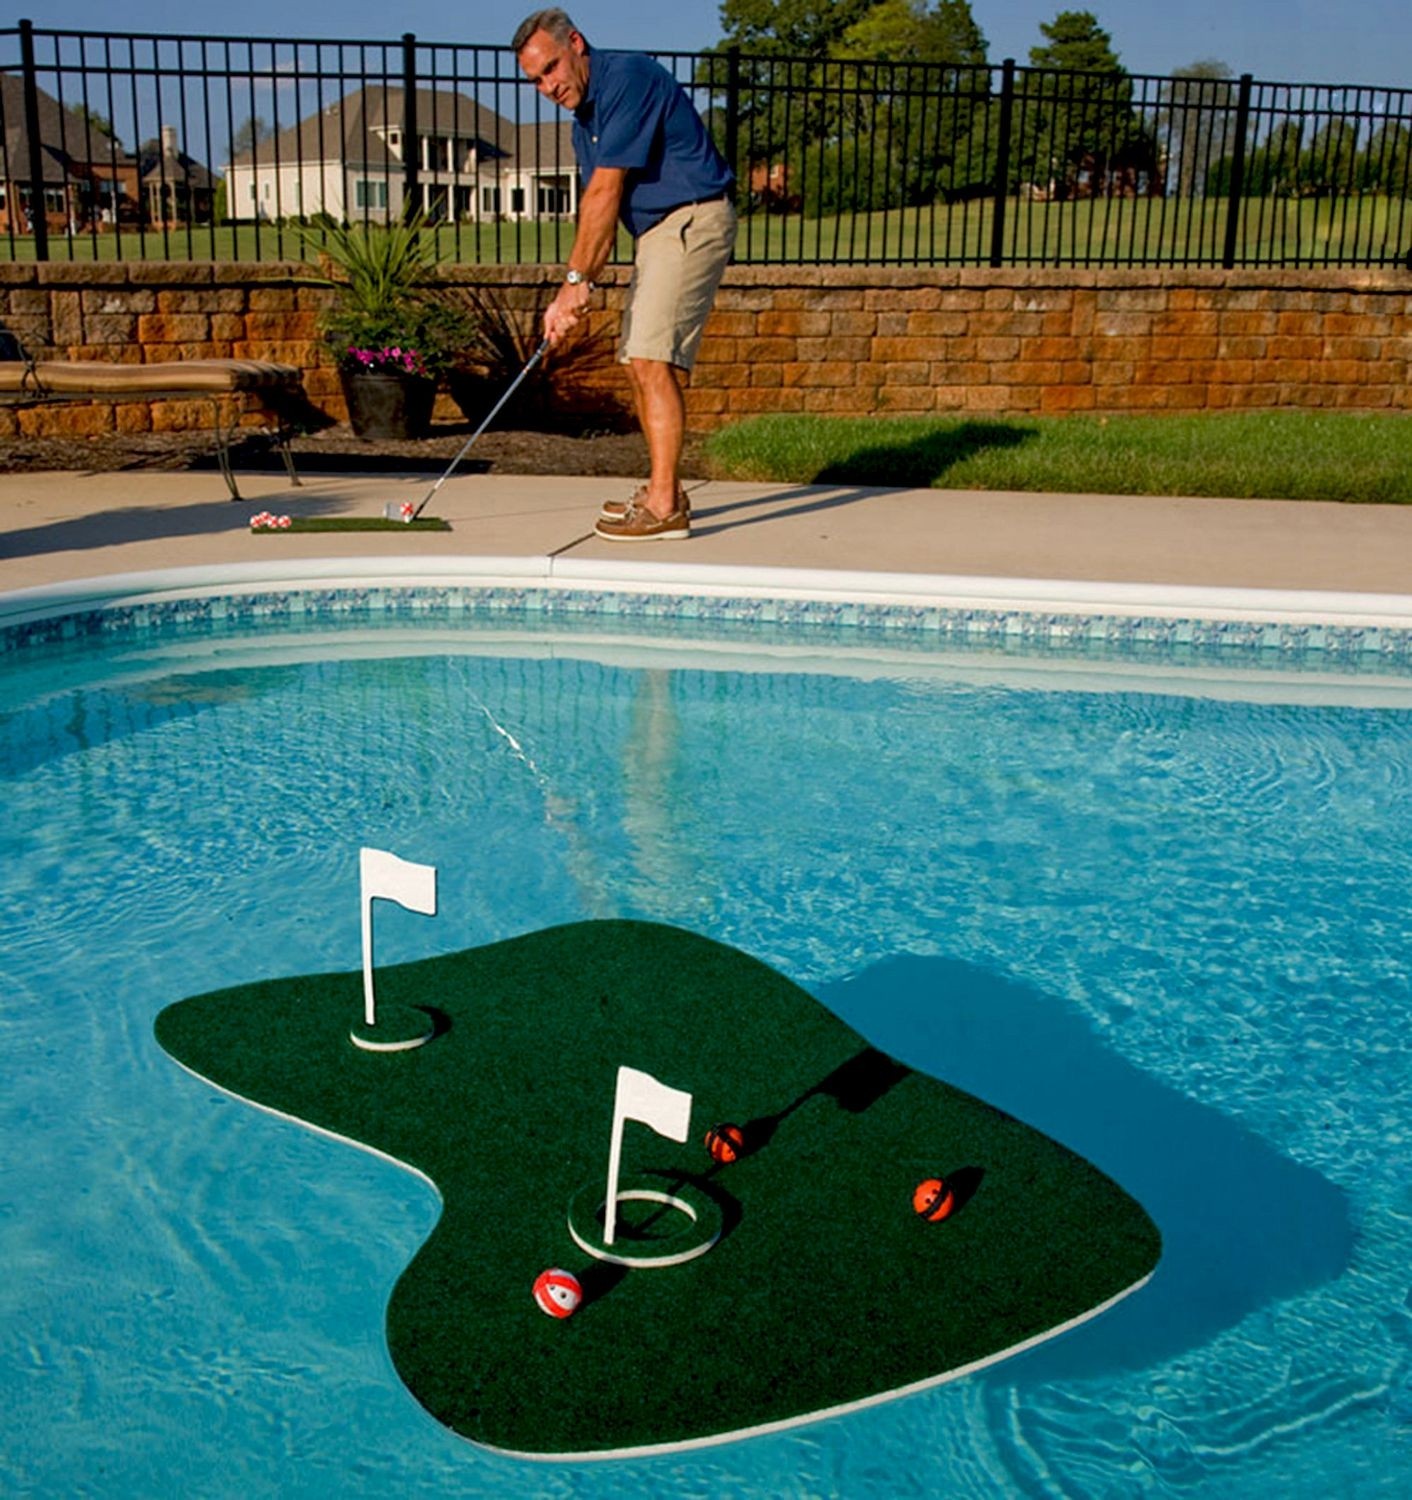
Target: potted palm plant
{"x":391,"y":336}
{"x":578,"y":382}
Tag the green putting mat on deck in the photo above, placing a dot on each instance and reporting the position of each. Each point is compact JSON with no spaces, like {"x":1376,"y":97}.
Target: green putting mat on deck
{"x":825,"y":1289}
{"x":352,"y":523}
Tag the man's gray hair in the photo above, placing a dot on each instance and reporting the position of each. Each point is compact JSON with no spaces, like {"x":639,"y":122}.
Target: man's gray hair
{"x":555,"y":21}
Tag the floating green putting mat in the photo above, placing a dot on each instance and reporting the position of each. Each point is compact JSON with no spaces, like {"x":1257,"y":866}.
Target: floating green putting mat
{"x":821,"y":1288}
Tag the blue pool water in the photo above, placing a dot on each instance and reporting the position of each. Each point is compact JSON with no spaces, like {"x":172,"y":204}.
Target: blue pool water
{"x":1169,"y":927}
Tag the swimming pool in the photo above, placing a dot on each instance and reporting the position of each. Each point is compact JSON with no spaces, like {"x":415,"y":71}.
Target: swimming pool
{"x":1160,"y":911}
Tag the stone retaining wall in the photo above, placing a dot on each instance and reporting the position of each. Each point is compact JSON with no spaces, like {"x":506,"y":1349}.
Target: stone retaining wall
{"x":850,"y":341}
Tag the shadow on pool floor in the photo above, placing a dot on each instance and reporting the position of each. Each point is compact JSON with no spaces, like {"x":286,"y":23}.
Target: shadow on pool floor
{"x":1242,"y":1226}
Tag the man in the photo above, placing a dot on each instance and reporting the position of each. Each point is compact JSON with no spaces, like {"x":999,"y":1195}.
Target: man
{"x":646,"y":158}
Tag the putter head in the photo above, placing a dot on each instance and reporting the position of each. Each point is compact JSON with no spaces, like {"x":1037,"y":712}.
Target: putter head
{"x":399,"y":510}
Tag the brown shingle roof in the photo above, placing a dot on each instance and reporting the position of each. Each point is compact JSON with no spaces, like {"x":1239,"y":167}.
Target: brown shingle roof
{"x":175,"y":169}
{"x":353,"y":129}
{"x":65,"y":137}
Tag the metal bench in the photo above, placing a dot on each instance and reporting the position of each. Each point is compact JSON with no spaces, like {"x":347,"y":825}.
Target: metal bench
{"x":31,"y":382}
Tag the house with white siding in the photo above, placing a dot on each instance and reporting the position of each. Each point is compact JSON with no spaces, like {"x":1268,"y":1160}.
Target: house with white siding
{"x":349,"y":160}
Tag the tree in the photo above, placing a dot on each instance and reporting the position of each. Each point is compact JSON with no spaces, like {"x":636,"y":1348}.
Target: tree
{"x":250,"y":133}
{"x":1386,"y":164}
{"x":1080,"y":136}
{"x":957,"y":38}
{"x":776,"y":102}
{"x":1076,"y":42}
{"x":787,"y":28}
{"x":88,"y":123}
{"x":905,"y":31}
{"x":1197,"y":114}
{"x":1329,"y":165}
{"x":1272,"y":169}
{"x":906,"y":94}
{"x":1274,"y":166}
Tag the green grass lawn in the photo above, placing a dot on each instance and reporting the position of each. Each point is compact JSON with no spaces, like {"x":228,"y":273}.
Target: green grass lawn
{"x":1105,"y":231}
{"x":1356,"y":230}
{"x":1295,"y":455}
{"x":545,"y":242}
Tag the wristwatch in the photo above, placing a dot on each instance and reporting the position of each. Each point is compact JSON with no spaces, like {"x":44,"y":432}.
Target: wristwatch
{"x":577,"y":278}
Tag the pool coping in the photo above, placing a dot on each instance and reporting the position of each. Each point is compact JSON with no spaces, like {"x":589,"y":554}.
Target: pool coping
{"x":1043,"y":597}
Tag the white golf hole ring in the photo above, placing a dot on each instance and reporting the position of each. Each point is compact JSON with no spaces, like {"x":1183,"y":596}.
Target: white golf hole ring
{"x":702,"y":1211}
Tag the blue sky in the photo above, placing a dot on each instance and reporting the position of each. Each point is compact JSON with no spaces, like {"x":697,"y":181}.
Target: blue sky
{"x":1287,"y":41}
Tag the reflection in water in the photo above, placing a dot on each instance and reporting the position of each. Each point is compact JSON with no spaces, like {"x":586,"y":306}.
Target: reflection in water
{"x":654,"y":779}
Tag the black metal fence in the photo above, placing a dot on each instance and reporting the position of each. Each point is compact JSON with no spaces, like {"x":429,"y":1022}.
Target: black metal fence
{"x":194,"y":147}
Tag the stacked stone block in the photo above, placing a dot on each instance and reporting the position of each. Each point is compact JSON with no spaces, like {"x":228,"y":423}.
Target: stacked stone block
{"x":860,"y":343}
{"x":848,"y":341}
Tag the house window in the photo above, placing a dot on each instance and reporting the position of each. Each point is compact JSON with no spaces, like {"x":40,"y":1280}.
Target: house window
{"x":370,"y":193}
{"x":517,"y":200}
{"x":252,"y":192}
{"x":552,"y":199}
{"x":490,"y":200}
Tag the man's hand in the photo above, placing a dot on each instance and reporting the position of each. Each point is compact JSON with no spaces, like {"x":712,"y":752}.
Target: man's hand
{"x":593,"y":244}
{"x":564,"y":312}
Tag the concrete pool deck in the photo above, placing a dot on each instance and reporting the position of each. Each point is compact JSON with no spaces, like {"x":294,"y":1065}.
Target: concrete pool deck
{"x":1300,"y":559}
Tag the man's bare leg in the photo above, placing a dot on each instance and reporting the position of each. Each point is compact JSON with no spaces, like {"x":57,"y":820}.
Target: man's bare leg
{"x":661,"y":409}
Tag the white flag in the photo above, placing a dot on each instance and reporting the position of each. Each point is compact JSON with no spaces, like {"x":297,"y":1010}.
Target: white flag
{"x":383,"y":876}
{"x":641,"y":1097}
{"x":386,"y":877}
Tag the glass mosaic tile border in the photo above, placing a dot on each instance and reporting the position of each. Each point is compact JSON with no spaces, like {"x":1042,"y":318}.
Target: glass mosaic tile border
{"x":1066,"y":633}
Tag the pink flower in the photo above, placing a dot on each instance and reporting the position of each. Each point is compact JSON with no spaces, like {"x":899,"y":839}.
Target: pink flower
{"x":390,"y":357}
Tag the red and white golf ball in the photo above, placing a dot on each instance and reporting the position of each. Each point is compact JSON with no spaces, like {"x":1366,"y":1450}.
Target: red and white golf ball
{"x":557,"y":1293}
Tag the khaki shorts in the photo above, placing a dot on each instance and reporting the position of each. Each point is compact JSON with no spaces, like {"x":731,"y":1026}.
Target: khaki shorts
{"x":678,"y":266}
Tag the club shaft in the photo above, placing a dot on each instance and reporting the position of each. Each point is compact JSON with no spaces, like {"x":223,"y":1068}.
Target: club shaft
{"x":530,"y":363}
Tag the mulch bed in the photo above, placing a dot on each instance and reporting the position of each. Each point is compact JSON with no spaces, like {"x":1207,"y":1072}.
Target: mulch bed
{"x":588,"y":451}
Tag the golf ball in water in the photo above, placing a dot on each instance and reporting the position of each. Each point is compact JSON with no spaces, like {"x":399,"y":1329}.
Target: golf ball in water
{"x":557,"y":1292}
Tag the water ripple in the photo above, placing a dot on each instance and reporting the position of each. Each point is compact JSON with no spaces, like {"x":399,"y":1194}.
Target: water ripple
{"x":1193,"y":913}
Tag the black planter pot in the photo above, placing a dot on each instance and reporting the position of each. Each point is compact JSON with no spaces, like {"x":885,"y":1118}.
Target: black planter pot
{"x":388,"y":405}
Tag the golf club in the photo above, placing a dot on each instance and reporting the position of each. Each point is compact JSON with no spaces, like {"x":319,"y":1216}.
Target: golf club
{"x":465,"y":447}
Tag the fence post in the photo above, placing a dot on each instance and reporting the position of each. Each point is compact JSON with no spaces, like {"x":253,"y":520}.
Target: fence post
{"x":733,"y":107}
{"x":1002,"y":162}
{"x":1237,"y":188}
{"x":38,"y":223}
{"x":411,"y":145}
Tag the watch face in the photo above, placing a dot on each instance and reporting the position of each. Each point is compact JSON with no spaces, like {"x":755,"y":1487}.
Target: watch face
{"x":574,"y":278}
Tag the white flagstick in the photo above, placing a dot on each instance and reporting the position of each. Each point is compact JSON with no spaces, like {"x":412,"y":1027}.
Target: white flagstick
{"x":382,"y":876}
{"x":640,"y":1097}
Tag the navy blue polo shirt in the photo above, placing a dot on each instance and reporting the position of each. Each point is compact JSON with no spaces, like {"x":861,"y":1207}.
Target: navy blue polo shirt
{"x":635,"y":115}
